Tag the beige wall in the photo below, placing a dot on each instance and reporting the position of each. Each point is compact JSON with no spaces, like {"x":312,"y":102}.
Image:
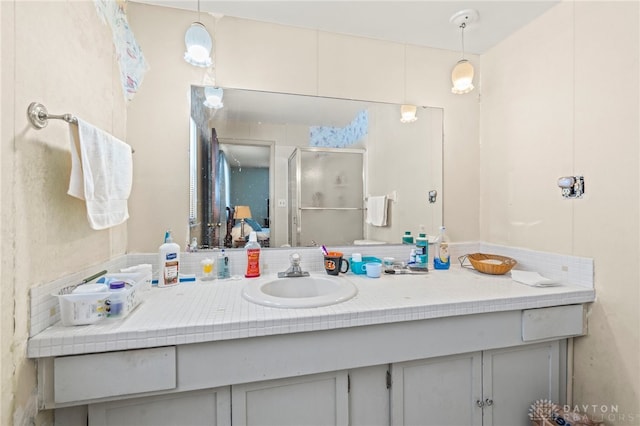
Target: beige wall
{"x":261,"y":56}
{"x":561,"y":97}
{"x":61,"y":54}
{"x":567,"y":114}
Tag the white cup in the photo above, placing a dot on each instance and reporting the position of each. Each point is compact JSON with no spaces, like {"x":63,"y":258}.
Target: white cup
{"x":356,"y":257}
{"x":373,"y":269}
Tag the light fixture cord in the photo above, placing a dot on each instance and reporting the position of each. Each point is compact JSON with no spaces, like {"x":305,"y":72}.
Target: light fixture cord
{"x":462,"y":27}
{"x":199,"y":11}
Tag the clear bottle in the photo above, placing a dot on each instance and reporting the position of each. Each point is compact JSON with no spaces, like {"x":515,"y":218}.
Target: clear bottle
{"x":253,"y":256}
{"x":442,"y":258}
{"x":223,"y":265}
{"x":422,"y":249}
{"x":168,"y":262}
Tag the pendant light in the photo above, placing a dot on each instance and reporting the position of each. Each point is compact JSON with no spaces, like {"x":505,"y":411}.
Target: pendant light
{"x":462,"y":74}
{"x":213,"y":97}
{"x":198,"y":43}
{"x":408,"y":113}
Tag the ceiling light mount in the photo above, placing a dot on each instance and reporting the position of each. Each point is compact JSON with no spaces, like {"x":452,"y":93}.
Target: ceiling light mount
{"x":464,"y":18}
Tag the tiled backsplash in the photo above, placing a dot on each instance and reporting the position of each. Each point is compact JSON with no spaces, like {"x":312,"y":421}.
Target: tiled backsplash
{"x":570,"y":269}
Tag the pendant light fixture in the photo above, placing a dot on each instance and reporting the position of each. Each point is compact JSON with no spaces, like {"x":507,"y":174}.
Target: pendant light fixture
{"x":408,"y":113}
{"x":199,"y":44}
{"x":213,"y":97}
{"x":462,"y":74}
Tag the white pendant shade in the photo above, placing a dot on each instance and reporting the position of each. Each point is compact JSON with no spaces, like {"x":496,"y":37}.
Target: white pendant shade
{"x":462,"y":77}
{"x":408,"y":113}
{"x":213,"y":97}
{"x":199,"y":44}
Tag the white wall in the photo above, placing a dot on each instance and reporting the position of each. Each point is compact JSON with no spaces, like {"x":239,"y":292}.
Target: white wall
{"x":60,"y":54}
{"x":261,"y":56}
{"x":561,"y":97}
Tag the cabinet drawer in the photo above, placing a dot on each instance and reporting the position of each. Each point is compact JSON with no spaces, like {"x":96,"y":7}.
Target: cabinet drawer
{"x":553,"y":322}
{"x":85,"y":377}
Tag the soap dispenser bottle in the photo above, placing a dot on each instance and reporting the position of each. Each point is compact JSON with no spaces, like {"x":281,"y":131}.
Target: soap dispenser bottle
{"x":442,"y":258}
{"x":168,"y":262}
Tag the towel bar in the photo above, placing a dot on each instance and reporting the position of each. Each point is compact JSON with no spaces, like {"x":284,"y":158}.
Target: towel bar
{"x":39,"y":117}
{"x":393,"y":196}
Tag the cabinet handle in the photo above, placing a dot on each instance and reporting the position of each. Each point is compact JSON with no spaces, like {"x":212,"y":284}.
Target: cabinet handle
{"x":489,"y":401}
{"x":480,"y":403}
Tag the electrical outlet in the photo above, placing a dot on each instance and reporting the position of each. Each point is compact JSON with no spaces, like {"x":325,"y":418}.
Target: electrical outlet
{"x":282,"y":202}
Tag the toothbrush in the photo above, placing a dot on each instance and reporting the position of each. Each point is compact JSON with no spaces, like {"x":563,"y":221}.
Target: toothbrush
{"x":324,"y":250}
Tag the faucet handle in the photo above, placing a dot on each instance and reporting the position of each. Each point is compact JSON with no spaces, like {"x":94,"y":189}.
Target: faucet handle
{"x":295,"y":258}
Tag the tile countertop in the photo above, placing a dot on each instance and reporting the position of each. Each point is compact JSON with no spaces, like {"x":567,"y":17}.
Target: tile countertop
{"x":215,"y":310}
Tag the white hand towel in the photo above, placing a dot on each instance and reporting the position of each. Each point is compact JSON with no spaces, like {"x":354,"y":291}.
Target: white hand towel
{"x":533,"y":279}
{"x":101,"y":174}
{"x":377,"y":210}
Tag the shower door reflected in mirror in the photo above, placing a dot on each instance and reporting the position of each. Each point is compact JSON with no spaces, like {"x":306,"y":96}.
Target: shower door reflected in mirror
{"x":326,"y":195}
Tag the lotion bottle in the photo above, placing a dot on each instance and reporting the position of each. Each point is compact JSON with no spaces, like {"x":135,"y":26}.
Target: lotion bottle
{"x":168,"y":262}
{"x":253,"y":256}
{"x":442,"y":258}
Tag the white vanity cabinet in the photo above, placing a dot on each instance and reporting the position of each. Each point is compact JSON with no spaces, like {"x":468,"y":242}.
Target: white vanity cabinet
{"x":494,"y":387}
{"x":480,"y":369}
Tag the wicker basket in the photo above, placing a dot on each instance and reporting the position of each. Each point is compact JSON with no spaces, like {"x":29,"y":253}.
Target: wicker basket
{"x":489,"y":263}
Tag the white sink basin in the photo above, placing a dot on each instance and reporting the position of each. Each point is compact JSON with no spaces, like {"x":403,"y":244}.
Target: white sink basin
{"x":303,"y":292}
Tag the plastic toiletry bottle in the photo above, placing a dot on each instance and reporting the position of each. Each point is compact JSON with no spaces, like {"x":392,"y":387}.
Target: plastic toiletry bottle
{"x":442,"y":258}
{"x":253,"y":256}
{"x":223,"y":265}
{"x":117,"y":299}
{"x":412,"y":256}
{"x":168,"y":262}
{"x":407,"y":238}
{"x":422,"y":249}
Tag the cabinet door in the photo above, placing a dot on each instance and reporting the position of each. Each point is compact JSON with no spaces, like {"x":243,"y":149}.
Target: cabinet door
{"x":369,"y":396}
{"x":199,"y":408}
{"x":438,"y":391}
{"x":319,"y":399}
{"x":514,"y":378}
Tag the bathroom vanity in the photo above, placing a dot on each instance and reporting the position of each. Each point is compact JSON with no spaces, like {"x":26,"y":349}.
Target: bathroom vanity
{"x":448,"y":347}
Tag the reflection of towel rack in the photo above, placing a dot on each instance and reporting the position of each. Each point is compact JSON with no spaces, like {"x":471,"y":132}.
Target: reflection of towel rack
{"x":39,"y":117}
{"x":393,"y":196}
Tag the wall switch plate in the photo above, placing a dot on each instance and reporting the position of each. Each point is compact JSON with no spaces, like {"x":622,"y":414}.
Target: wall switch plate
{"x":282,"y":202}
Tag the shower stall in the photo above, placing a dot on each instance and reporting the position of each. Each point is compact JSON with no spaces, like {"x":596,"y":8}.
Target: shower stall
{"x":326,"y":196}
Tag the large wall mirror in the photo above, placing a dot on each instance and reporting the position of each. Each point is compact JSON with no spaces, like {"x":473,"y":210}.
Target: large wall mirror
{"x":299,"y":170}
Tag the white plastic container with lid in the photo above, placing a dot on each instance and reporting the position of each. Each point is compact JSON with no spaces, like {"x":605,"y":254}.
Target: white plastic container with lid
{"x":168,"y":262}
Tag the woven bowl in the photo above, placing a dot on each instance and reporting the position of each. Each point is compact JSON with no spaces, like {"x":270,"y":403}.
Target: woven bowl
{"x":490,"y":263}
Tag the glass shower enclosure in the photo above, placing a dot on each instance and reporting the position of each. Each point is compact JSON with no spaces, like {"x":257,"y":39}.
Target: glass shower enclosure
{"x":326,"y":196}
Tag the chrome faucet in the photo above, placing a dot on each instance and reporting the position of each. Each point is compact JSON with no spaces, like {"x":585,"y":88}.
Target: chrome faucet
{"x":294,"y":270}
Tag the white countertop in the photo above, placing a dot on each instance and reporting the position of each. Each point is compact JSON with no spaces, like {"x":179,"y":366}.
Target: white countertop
{"x":215,"y":310}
